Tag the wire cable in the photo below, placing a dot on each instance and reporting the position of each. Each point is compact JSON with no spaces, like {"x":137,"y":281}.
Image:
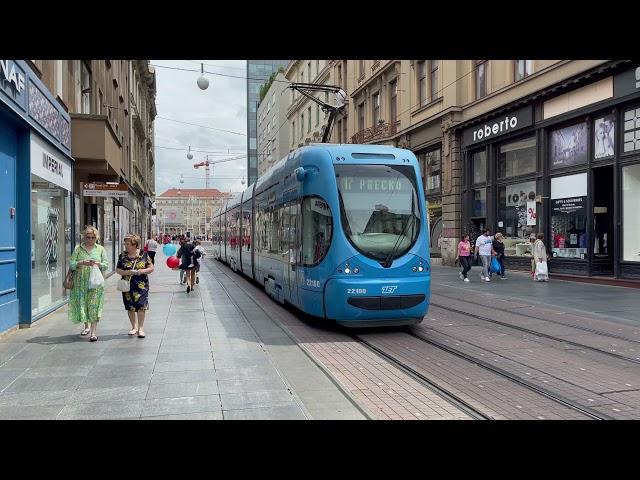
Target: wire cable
{"x":202,"y":126}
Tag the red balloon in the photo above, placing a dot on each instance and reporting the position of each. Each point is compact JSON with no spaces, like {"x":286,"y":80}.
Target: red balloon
{"x":173,"y":262}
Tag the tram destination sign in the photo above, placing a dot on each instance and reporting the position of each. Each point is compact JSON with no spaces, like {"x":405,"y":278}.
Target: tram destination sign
{"x":496,"y":127}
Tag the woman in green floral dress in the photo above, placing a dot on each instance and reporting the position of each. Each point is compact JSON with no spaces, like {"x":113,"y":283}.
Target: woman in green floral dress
{"x":86,"y":305}
{"x":135,"y":265}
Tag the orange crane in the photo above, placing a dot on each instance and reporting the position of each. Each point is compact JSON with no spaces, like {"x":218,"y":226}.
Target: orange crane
{"x":211,"y":163}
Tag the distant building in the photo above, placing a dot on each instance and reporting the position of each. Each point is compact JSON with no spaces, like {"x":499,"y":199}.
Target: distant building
{"x":273,"y":141}
{"x":182,"y":210}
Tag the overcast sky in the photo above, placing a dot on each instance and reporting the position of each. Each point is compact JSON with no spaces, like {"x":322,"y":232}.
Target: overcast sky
{"x":223,"y":105}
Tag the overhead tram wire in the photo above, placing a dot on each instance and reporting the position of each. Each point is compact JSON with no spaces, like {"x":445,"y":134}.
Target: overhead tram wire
{"x":219,"y":74}
{"x":202,"y":151}
{"x":202,"y":126}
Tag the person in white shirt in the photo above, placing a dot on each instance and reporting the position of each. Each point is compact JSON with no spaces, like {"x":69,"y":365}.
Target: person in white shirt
{"x":202,"y":254}
{"x":151,"y":246}
{"x":484,"y":248}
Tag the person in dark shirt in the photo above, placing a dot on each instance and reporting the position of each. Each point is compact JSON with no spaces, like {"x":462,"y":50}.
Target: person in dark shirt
{"x":498,"y":247}
{"x":187,"y":261}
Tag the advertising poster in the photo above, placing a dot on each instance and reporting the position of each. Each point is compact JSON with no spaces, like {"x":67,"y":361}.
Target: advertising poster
{"x":569,"y":146}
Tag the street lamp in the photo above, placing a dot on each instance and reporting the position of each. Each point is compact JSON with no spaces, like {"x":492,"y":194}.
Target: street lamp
{"x":203,"y":82}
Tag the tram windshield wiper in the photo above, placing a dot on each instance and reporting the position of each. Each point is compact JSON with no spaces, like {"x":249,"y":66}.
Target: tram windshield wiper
{"x":389,"y":260}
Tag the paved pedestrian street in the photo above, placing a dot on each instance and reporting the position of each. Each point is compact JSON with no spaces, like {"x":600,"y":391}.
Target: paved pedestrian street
{"x":201,"y":359}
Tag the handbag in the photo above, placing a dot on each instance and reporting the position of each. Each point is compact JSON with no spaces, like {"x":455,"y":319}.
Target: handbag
{"x":68,"y":280}
{"x":125,"y":285}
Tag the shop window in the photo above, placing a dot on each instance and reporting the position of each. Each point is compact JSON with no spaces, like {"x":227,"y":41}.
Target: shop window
{"x":569,"y":146}
{"x":479,"y":207}
{"x":630,"y":217}
{"x":50,"y":243}
{"x":569,"y":216}
{"x":604,"y":137}
{"x":479,"y":166}
{"x":517,"y":216}
{"x":317,"y":228}
{"x":517,"y":158}
{"x":431,"y":166}
{"x":631,"y":130}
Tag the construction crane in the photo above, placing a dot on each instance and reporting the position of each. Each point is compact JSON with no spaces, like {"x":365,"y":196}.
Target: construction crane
{"x":211,"y":163}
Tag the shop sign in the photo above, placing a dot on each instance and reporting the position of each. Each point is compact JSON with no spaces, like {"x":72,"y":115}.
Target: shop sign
{"x":12,"y":79}
{"x":512,"y":121}
{"x":626,"y":83}
{"x":48,"y":165}
{"x":172,"y":216}
{"x":106,"y":189}
{"x":321,"y":207}
{"x":520,"y":193}
{"x":568,"y":205}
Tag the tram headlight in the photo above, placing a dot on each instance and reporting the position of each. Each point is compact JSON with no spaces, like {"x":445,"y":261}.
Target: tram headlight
{"x":421,"y":268}
{"x":356,"y":270}
{"x":347,"y":270}
{"x":414,"y":269}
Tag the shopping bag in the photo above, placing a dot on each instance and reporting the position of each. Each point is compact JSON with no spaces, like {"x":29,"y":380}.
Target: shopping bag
{"x":96,"y":280}
{"x":542,"y":272}
{"x":495,"y":265}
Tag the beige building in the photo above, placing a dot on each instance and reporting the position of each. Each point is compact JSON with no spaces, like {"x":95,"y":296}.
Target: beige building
{"x":182,"y":210}
{"x":306,"y":120}
{"x":425,"y":105}
{"x":112,"y":108}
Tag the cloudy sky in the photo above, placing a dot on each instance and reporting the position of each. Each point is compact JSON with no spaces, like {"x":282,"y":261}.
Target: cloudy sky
{"x":222,"y":106}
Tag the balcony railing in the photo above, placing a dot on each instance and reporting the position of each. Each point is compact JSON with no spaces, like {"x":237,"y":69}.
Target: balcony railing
{"x":381,"y":130}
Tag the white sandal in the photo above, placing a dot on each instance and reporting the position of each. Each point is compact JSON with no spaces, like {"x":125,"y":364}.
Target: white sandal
{"x":85,"y":332}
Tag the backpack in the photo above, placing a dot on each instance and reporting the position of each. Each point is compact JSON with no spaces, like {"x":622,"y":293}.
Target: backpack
{"x":197,"y":253}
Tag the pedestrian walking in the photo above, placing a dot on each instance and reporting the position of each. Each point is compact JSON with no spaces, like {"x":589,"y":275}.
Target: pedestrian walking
{"x":464,"y":256}
{"x":532,"y":241}
{"x":484,"y":249}
{"x":498,"y":248}
{"x":135,"y":266}
{"x":85,"y":305}
{"x":198,"y":250}
{"x":151,"y":246}
{"x":540,"y":258}
{"x":187,"y":262}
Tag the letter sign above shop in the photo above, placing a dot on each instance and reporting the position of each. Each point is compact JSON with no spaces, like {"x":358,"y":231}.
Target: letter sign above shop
{"x":48,"y":164}
{"x":501,"y":125}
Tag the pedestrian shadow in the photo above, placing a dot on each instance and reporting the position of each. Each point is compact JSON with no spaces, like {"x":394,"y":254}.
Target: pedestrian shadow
{"x":74,"y":338}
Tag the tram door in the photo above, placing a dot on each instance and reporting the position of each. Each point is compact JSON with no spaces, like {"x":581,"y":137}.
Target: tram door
{"x":293,"y":211}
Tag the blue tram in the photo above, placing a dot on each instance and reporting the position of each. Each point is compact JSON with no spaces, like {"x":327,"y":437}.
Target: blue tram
{"x":339,"y":231}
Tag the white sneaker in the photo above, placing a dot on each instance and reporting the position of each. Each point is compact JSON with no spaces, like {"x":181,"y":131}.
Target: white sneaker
{"x":466,"y":279}
{"x":460,"y":275}
{"x":487,"y":279}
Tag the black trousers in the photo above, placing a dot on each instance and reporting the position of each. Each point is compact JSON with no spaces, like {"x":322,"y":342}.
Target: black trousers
{"x":152,"y":256}
{"x":466,"y":265}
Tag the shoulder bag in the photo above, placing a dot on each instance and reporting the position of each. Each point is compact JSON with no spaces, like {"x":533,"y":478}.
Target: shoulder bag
{"x":68,"y":280}
{"x":125,"y":285}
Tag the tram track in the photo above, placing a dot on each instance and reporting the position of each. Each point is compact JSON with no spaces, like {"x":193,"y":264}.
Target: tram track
{"x":514,"y":378}
{"x":535,"y":332}
{"x":533,"y":317}
{"x":449,"y":396}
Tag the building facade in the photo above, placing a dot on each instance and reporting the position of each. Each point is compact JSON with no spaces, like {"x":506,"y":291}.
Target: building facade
{"x":188,"y":211}
{"x":112,"y":108}
{"x":258,"y":73}
{"x":306,"y":119}
{"x":520,"y":146}
{"x":36,"y":190}
{"x":273,"y":141}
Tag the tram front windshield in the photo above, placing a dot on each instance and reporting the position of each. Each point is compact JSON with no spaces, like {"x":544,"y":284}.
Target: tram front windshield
{"x":379,"y":208}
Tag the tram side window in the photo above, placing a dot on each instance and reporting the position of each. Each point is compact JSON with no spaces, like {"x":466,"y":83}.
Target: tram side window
{"x":246,"y":226}
{"x":316,"y":230}
{"x":274,"y":244}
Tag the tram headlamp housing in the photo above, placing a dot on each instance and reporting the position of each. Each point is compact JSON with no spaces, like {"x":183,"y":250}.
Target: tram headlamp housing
{"x":418,"y":268}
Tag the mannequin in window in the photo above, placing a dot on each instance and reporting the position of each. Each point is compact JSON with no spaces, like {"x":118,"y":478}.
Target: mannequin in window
{"x":573,"y":236}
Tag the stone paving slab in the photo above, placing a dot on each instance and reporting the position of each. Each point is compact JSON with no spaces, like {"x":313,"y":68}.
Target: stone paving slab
{"x":201,"y":359}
